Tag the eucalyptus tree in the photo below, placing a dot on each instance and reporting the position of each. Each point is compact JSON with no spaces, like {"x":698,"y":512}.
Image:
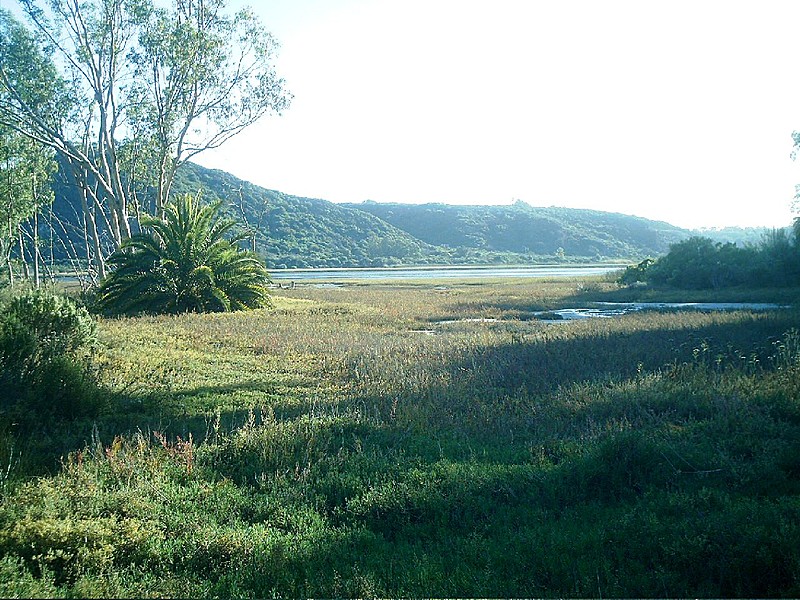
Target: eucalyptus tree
{"x":141,"y":90}
{"x":26,"y":166}
{"x":205,"y":77}
{"x":26,"y":170}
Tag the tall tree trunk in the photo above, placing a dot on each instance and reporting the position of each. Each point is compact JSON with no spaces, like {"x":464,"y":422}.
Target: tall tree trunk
{"x":36,"y":203}
{"x":122,"y":226}
{"x":94,"y":252}
{"x":6,"y":246}
{"x":25,"y":271}
{"x":51,"y":244}
{"x":164,"y":184}
{"x":6,"y":250}
{"x":36,"y":255}
{"x":90,"y":200}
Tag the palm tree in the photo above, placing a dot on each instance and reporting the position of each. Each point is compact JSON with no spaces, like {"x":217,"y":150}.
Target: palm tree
{"x":184,"y":264}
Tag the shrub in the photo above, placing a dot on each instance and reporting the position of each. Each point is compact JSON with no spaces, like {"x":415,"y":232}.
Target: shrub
{"x":636,"y":273}
{"x":779,"y":255}
{"x":56,"y":325}
{"x":700,"y":263}
{"x":46,"y":341}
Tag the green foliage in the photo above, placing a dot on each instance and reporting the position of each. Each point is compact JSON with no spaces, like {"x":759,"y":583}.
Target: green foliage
{"x":636,"y":273}
{"x":779,"y":257}
{"x":46,"y":341}
{"x":213,"y":78}
{"x":25,"y":177}
{"x":350,"y":444}
{"x":187,"y":264}
{"x":56,"y":325}
{"x":26,"y":167}
{"x":290,"y":231}
{"x":29,"y":77}
{"x":303,"y":232}
{"x":182,"y":79}
{"x":700,"y":263}
{"x":524,"y":229}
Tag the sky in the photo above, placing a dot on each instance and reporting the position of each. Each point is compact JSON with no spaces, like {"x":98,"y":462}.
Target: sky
{"x":678,"y":110}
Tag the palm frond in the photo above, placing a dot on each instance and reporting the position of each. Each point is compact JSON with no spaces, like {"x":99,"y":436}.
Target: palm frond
{"x":188,"y":261}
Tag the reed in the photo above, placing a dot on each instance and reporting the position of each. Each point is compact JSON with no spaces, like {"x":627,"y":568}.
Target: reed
{"x":348,"y":442}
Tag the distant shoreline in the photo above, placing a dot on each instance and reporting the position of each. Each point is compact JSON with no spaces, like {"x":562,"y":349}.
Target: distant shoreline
{"x":433,"y":272}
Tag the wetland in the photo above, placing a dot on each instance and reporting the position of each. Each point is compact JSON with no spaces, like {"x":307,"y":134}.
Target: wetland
{"x":324,"y":448}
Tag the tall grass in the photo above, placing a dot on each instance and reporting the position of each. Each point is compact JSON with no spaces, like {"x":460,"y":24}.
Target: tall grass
{"x":348,"y":443}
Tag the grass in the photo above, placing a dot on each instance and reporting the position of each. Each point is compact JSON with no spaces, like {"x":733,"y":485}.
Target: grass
{"x":347,"y":443}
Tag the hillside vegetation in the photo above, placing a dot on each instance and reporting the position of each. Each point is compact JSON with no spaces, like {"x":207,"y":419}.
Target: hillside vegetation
{"x":320,"y":233}
{"x":291,"y":231}
{"x":302,"y":232}
{"x":524,"y":229}
{"x":385,"y":441}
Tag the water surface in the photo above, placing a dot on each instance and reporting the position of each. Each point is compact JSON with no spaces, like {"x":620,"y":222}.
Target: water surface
{"x":606,"y":310}
{"x":444,"y":272}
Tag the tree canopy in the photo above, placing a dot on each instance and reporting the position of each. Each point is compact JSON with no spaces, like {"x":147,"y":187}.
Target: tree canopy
{"x":125,"y":91}
{"x":700,"y":263}
{"x":25,"y":175}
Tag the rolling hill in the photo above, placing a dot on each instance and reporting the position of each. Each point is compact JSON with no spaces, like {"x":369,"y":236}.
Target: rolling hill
{"x":524,"y":229}
{"x":292,"y":231}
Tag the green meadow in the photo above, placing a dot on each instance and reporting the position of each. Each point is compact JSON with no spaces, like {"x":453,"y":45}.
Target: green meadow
{"x":419,"y":439}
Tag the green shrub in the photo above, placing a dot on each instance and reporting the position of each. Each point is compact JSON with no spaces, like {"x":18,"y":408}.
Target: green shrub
{"x":51,"y":324}
{"x":636,"y":273}
{"x":17,"y":581}
{"x":46,"y":341}
{"x":700,"y":263}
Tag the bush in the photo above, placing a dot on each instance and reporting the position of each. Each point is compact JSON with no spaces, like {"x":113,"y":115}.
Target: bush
{"x":700,"y":263}
{"x":46,"y":342}
{"x":636,"y":273}
{"x":779,"y":254}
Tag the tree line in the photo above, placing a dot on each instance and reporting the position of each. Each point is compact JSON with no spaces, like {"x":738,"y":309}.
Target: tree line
{"x":700,"y":263}
{"x":118,"y":94}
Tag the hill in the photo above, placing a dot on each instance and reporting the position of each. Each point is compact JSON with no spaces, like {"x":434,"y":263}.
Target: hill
{"x":525,"y":229}
{"x":292,"y":231}
{"x":741,"y":236}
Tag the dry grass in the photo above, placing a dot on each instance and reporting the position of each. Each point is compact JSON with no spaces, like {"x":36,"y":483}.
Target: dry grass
{"x":347,"y":443}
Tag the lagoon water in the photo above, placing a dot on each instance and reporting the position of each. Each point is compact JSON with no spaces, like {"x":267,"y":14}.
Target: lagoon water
{"x":608,"y":310}
{"x":443,"y":272}
{"x":605,"y":310}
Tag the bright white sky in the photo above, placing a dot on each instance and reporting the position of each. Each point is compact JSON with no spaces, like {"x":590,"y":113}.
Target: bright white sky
{"x":677,"y":110}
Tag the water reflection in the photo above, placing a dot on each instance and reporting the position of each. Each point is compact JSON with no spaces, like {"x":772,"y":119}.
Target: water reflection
{"x":606,"y":310}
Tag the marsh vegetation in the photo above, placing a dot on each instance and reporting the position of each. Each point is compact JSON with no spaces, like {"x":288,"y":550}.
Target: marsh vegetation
{"x":350,"y":442}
